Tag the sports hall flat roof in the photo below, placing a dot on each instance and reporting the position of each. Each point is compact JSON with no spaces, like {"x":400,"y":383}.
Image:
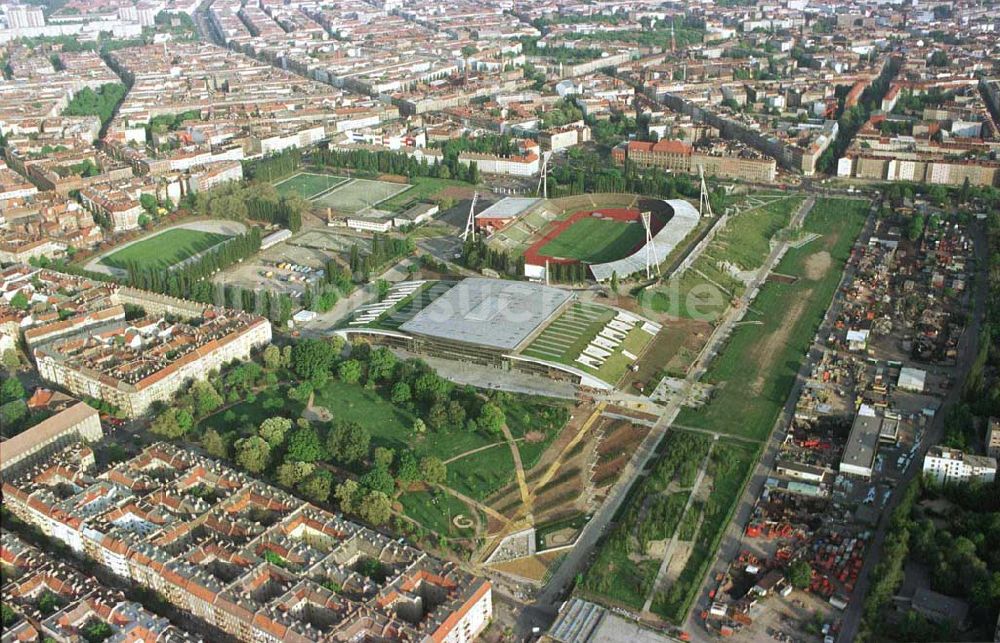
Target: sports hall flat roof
{"x":508,"y":207}
{"x":488,"y":312}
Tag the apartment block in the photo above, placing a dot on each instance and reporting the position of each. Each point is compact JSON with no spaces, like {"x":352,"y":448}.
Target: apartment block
{"x":247,"y":558}
{"x":955,"y":467}
{"x":79,"y":422}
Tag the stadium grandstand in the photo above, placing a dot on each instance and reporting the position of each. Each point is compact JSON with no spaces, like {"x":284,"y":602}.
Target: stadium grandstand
{"x":603,"y":232}
{"x":684,"y":219}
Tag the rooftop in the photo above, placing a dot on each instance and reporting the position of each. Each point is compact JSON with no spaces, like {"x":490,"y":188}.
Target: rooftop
{"x":507,"y":208}
{"x":489,"y":312}
{"x":861,"y":443}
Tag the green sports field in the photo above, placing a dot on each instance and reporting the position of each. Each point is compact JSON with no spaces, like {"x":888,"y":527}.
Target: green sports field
{"x":165,"y":249}
{"x":308,"y":185}
{"x":595,"y":240}
{"x":360,"y":194}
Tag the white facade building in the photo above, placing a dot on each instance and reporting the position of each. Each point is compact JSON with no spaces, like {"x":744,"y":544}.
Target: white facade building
{"x":953,"y":466}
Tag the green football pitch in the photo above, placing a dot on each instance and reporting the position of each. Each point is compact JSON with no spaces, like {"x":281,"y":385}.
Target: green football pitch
{"x":595,"y":240}
{"x":165,"y":249}
{"x":361,"y":194}
{"x":308,"y":185}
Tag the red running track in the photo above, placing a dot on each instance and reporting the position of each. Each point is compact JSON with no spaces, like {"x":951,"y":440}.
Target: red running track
{"x":534,"y":257}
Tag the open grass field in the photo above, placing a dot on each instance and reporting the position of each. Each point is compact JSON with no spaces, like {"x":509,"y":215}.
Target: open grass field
{"x":482,"y":474}
{"x":756,"y":370}
{"x":165,"y":249}
{"x":356,"y":404}
{"x":308,"y":185}
{"x":435,"y":511}
{"x":423,"y":188}
{"x":596,"y":240}
{"x":704,"y":291}
{"x":360,"y":194}
{"x":745,"y":239}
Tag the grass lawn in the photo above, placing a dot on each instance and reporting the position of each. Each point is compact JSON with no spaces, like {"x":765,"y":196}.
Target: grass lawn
{"x":533,"y":414}
{"x":423,"y":189}
{"x":744,"y":240}
{"x":164,"y":249}
{"x":704,"y":291}
{"x":390,"y":425}
{"x":615,"y":366}
{"x":596,"y":240}
{"x":308,"y":185}
{"x":482,"y":474}
{"x":576,"y":521}
{"x":754,"y":382}
{"x":435,"y":510}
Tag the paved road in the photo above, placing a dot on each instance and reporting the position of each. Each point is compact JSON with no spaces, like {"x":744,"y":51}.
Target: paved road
{"x":543,"y":611}
{"x":968,"y":347}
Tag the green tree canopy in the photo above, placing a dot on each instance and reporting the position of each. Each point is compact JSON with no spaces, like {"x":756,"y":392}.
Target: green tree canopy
{"x":253,"y":453}
{"x":304,"y":445}
{"x":273,"y":430}
{"x":348,"y":442}
{"x":316,"y":487}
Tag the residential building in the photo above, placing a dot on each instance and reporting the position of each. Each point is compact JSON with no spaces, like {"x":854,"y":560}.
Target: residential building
{"x":947,"y":465}
{"x":79,"y":422}
{"x":193,"y":532}
{"x":993,"y":438}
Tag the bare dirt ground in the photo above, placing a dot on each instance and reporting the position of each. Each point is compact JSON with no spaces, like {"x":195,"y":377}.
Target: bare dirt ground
{"x":766,"y":352}
{"x":673,"y":348}
{"x":620,"y":440}
{"x":817,"y":265}
{"x":457,"y":193}
{"x":533,"y":567}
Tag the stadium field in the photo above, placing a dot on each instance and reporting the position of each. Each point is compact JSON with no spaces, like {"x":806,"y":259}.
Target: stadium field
{"x":360,"y":194}
{"x":165,"y":249}
{"x":308,"y":186}
{"x":594,"y":240}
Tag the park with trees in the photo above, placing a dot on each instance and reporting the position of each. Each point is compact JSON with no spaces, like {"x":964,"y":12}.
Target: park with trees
{"x":386,"y":440}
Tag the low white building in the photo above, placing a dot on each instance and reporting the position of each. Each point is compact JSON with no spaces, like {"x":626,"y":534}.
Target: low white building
{"x":912,"y":379}
{"x":275,"y":238}
{"x":953,"y":466}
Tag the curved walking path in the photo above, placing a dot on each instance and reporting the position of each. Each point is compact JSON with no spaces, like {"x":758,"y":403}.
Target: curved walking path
{"x":522,"y":482}
{"x":216,"y":226}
